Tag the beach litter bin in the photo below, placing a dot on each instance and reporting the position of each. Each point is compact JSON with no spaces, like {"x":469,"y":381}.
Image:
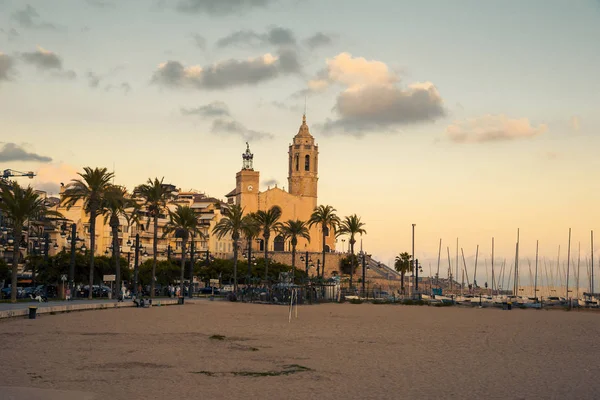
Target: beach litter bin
{"x":180,"y":300}
{"x":509,"y":306}
{"x":32,"y":312}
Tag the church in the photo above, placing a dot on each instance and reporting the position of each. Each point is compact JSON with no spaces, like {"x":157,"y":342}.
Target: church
{"x":297,"y":203}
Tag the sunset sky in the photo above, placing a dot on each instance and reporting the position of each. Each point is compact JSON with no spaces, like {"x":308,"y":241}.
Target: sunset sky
{"x":468,"y":118}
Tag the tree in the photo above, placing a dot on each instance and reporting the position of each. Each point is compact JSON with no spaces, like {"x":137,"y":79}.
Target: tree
{"x":155,"y":195}
{"x":403,"y":265}
{"x":183,"y":222}
{"x":269,"y":221}
{"x":293,"y":230}
{"x":327,"y":218}
{"x":91,"y":189}
{"x":21,"y":205}
{"x":231,"y":224}
{"x":351,"y":226}
{"x":251,"y":230}
{"x":117,"y":204}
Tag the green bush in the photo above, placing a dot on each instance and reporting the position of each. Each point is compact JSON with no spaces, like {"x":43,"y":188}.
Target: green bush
{"x":356,"y":301}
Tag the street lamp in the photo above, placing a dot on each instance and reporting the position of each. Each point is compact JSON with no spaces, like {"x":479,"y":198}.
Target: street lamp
{"x":73,"y":239}
{"x":307,"y":259}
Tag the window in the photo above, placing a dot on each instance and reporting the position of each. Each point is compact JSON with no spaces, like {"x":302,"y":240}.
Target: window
{"x":307,"y":162}
{"x":279,"y":243}
{"x":297,"y":158}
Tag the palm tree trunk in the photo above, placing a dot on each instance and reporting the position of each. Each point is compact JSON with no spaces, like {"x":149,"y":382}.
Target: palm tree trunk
{"x":92,"y":250}
{"x":293,"y":263}
{"x":266,"y":256}
{"x":402,"y":283}
{"x":116,"y":258}
{"x":235,"y":262}
{"x":323,"y":262}
{"x":181,"y":285}
{"x":351,"y":261}
{"x":15,"y":261}
{"x":154,"y":251}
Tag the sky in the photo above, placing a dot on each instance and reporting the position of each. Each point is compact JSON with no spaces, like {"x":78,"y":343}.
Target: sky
{"x":469,"y":119}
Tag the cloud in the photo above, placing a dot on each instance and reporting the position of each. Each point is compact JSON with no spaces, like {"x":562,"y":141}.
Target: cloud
{"x":125,"y":87}
{"x":6,"y":67}
{"x":233,"y":127}
{"x":228,"y":73}
{"x":199,"y":41}
{"x":319,"y":39}
{"x":270,"y":182}
{"x":43,"y":59}
{"x":27,"y":18}
{"x":214,"y":109}
{"x":223,"y":121}
{"x":492,"y":128}
{"x":275,"y":36}
{"x":373,"y":99}
{"x":93,"y":79}
{"x":220,"y":7}
{"x":11,"y":33}
{"x":101,"y":3}
{"x":49,"y":176}
{"x":14,"y":152}
{"x":575,"y":123}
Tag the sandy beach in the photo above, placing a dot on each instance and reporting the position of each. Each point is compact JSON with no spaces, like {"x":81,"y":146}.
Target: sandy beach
{"x":222,"y":350}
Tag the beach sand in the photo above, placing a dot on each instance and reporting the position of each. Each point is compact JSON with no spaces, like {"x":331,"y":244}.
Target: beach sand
{"x":331,"y":351}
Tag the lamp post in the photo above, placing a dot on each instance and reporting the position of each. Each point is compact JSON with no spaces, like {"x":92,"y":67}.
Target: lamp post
{"x":306,"y":258}
{"x":192,"y":251}
{"x":136,"y":261}
{"x":46,"y":251}
{"x":318,"y":267}
{"x":73,"y":239}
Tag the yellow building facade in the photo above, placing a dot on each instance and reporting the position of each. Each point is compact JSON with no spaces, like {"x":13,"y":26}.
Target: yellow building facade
{"x":298,"y":203}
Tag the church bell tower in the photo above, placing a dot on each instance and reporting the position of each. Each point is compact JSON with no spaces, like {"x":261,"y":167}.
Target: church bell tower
{"x":246,"y":183}
{"x":303,"y":164}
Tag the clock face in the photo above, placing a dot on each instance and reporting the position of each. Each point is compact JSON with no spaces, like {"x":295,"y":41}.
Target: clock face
{"x":250,"y":187}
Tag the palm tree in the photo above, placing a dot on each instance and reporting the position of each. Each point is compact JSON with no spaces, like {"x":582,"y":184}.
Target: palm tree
{"x":293,"y":230}
{"x":91,"y":189}
{"x":183,"y":222}
{"x":403,"y":265}
{"x":21,"y":205}
{"x":116,"y":204}
{"x":251,"y":230}
{"x":155,"y":195}
{"x":231,"y":224}
{"x":326,"y":217}
{"x":351,"y":226}
{"x":269,"y":221}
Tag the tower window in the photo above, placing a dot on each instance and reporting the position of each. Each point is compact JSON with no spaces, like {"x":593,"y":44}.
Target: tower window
{"x":297,"y":159}
{"x":307,"y":162}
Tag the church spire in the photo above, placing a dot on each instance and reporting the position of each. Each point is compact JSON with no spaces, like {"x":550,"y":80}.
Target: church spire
{"x":247,"y":158}
{"x":303,"y":131}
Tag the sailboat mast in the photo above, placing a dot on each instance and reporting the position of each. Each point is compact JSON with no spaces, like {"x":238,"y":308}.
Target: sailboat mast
{"x":450,"y":269}
{"x":465,"y":268}
{"x":456,"y":259}
{"x":475,"y":273}
{"x":437,"y":275}
{"x":578,"y":266}
{"x":537,"y":247}
{"x":516,"y":282}
{"x":492,"y":266}
{"x":568,"y":265}
{"x":592,"y":269}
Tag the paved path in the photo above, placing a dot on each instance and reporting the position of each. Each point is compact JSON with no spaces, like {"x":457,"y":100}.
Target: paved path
{"x":53,"y":303}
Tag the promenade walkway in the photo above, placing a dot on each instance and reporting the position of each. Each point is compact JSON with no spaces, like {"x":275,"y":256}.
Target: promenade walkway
{"x":10,"y":310}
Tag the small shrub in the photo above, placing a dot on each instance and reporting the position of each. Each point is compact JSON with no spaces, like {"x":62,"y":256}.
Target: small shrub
{"x":356,"y":301}
{"x":408,"y":302}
